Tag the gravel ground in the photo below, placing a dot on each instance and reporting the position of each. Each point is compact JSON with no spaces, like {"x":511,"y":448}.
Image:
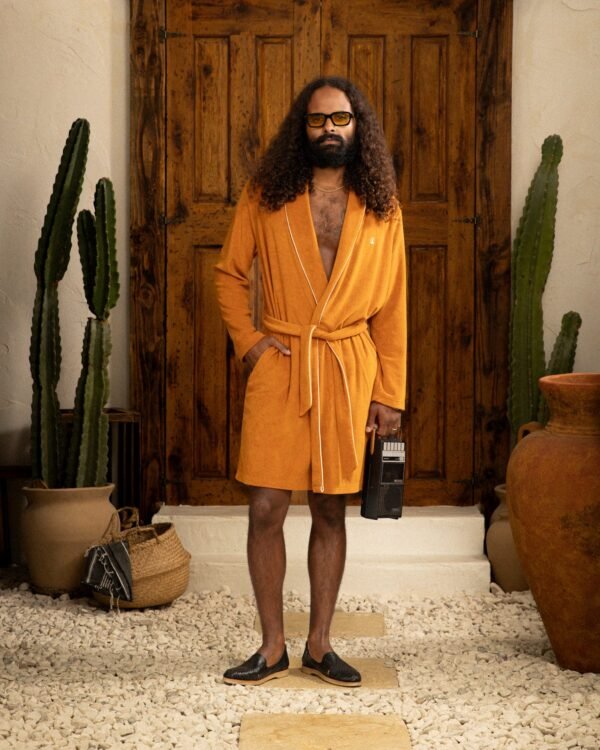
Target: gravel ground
{"x":474,"y":672}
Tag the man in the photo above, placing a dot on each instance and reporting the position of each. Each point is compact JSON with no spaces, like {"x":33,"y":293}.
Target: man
{"x":330,"y":366}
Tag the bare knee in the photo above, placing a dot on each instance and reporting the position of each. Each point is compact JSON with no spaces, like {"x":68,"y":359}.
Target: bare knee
{"x":328,"y":511}
{"x":268,"y":509}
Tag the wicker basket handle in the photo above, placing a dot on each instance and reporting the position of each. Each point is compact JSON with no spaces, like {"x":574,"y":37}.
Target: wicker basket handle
{"x":111,"y":530}
{"x":130,"y":517}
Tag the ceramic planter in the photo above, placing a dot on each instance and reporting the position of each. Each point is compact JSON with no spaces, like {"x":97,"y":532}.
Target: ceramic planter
{"x":501,"y":550}
{"x":553,"y":494}
{"x":58,"y":526}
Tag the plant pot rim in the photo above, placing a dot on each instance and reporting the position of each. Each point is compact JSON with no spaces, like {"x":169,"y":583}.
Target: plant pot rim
{"x":579,"y":379}
{"x":70,"y":490}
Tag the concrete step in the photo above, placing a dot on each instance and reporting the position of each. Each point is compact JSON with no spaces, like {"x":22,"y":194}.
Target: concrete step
{"x":430,"y":551}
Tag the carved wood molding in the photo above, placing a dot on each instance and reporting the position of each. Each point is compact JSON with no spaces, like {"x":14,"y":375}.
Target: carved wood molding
{"x":147,"y":242}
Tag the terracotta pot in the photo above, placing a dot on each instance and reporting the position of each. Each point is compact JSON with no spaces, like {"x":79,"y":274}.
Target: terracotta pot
{"x":500,"y":547}
{"x":58,"y":525}
{"x":553,"y":493}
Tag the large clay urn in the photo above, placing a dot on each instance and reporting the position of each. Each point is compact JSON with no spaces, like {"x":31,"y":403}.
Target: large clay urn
{"x":58,"y":525}
{"x":553,"y":494}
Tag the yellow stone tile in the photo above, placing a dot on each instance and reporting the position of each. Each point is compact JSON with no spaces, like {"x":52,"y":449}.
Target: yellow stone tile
{"x":376,"y":674}
{"x":322,"y":732}
{"x":343,"y":625}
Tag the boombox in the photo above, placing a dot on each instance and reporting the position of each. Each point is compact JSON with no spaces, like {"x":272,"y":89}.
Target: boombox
{"x":383,"y":485}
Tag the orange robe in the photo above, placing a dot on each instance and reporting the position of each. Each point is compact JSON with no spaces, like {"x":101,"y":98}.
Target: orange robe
{"x":305,"y":415}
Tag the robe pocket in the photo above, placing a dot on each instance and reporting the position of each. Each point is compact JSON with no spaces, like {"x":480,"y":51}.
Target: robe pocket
{"x":261,"y":361}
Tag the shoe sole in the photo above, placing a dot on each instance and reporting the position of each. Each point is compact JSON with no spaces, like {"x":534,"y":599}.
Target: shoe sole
{"x":274,"y":676}
{"x":341,"y":683}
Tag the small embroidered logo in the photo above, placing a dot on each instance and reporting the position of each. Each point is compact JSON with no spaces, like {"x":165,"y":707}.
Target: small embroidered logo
{"x":372,"y":241}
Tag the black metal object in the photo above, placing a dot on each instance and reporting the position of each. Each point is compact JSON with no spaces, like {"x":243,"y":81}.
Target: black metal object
{"x":8,"y":473}
{"x":126,"y":474}
{"x":383,"y":485}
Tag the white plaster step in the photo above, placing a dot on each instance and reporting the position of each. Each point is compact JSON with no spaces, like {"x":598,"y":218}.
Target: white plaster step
{"x":431,"y":551}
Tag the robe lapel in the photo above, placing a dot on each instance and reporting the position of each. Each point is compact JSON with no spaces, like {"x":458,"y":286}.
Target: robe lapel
{"x":304,"y":241}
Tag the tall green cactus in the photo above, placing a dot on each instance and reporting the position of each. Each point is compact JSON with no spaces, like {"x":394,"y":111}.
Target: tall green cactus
{"x":51,"y":261}
{"x":532,"y":257}
{"x":85,"y":462}
{"x":87,"y":459}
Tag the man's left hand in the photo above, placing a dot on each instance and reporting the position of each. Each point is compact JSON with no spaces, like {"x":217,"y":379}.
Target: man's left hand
{"x":384,"y":419}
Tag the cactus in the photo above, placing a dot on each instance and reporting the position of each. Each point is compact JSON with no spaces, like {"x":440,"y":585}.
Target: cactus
{"x":531,"y":261}
{"x":562,"y":358}
{"x":51,"y":261}
{"x":85,"y":461}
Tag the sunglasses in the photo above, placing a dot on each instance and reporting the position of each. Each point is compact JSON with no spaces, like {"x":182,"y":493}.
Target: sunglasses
{"x":318,"y":119}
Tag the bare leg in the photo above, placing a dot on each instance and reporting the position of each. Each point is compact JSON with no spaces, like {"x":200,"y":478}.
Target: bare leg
{"x":326,"y":559}
{"x":266,"y":561}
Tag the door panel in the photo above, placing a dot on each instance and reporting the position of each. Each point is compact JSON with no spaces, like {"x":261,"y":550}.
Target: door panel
{"x":231,"y":77}
{"x":407,"y":57}
{"x":233,"y":70}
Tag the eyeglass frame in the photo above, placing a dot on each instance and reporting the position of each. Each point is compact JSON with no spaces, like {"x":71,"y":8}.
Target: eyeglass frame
{"x":329,"y":117}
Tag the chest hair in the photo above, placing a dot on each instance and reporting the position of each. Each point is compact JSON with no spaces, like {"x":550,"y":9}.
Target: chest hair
{"x":328,"y":211}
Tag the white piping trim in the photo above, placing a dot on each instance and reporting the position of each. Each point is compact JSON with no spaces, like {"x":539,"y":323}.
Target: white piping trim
{"x":287,"y":218}
{"x":362,"y":221}
{"x":319,"y":421}
{"x":309,"y":355}
{"x":347,"y":395}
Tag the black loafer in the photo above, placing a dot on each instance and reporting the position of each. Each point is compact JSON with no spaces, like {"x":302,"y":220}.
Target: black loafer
{"x":254,"y":671}
{"x":331,"y":669}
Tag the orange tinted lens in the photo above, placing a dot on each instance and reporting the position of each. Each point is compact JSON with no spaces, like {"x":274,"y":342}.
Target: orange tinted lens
{"x":316,"y":120}
{"x":341,"y":118}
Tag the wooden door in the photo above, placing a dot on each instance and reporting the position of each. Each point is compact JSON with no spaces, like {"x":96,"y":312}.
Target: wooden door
{"x":232,"y":71}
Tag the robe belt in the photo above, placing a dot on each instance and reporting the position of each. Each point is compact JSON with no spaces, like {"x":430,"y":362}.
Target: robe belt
{"x":307,"y":334}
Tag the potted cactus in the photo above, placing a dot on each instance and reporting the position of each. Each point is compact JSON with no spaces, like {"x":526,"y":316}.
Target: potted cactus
{"x":69,"y":504}
{"x":533,"y":249}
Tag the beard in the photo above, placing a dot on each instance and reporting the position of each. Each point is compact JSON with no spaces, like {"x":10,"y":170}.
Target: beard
{"x":337,"y":154}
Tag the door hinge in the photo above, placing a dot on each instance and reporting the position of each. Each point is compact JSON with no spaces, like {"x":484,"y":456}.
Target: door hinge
{"x":469,"y":220}
{"x":164,"y":221}
{"x":163,"y":34}
{"x":474,"y":34}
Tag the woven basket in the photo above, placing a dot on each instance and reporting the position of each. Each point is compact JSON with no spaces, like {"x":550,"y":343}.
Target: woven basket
{"x":160,"y":566}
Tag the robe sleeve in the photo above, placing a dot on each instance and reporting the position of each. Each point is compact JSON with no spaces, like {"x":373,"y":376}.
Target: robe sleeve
{"x":389,"y":328}
{"x":231,"y":279}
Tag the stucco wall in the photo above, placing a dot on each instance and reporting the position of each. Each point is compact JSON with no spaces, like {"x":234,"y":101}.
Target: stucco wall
{"x":556,"y":59}
{"x":63,"y":59}
{"x":60,"y":60}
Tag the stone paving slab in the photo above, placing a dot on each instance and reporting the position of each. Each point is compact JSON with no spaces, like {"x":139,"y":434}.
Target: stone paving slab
{"x":343,"y":625}
{"x":322,"y":732}
{"x":376,"y":674}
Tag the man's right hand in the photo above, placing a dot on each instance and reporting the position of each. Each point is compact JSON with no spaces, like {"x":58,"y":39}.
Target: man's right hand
{"x":253,"y":355}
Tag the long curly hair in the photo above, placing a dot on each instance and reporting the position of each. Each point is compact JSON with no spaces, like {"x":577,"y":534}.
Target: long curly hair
{"x":285,"y":171}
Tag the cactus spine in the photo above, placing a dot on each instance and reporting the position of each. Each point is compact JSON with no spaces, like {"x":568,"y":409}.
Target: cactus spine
{"x":85,"y":462}
{"x":531,"y":261}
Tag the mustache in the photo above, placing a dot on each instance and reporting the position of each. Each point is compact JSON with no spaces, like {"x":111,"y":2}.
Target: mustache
{"x":321,"y":139}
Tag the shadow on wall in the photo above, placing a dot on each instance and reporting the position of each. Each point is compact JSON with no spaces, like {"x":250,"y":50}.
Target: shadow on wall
{"x":18,"y":440}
